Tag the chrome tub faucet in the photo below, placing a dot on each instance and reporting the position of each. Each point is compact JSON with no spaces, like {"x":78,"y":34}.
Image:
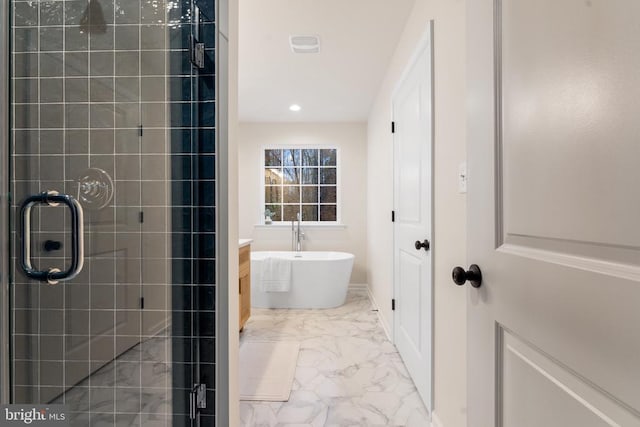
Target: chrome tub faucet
{"x":297,"y":236}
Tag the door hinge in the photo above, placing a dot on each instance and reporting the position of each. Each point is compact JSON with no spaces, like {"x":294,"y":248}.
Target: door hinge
{"x":393,"y":127}
{"x":142,"y":303}
{"x":140,"y":130}
{"x":393,"y":216}
{"x":141,"y":217}
{"x":196,"y":46}
{"x":197,"y":399}
{"x":197,"y":53}
{"x":393,"y":304}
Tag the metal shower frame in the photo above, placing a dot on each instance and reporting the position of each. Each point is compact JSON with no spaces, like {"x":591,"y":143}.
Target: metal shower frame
{"x":5,"y":324}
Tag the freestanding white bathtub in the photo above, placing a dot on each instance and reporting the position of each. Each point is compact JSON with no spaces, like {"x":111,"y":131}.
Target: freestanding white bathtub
{"x":318,"y":280}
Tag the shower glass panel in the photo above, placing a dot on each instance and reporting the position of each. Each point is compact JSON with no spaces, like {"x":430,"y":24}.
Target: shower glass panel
{"x":103,"y":301}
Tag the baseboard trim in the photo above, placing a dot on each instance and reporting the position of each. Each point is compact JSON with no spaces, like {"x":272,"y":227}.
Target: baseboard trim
{"x":435,"y":421}
{"x":385,"y":326}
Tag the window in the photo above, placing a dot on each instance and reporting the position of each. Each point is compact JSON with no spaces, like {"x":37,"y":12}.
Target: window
{"x":301,"y":180}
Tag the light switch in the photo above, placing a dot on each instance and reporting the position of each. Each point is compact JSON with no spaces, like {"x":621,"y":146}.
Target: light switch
{"x":462,"y":178}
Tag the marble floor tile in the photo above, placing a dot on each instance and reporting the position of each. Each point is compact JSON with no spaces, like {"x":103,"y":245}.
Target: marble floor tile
{"x":132,"y":390}
{"x":347,"y":374}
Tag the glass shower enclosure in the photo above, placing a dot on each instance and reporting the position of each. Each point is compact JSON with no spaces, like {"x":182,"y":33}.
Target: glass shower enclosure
{"x":108,"y":163}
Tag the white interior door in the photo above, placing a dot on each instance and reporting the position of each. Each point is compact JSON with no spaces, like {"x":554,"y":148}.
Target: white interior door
{"x":554,"y":211}
{"x":412,"y":112}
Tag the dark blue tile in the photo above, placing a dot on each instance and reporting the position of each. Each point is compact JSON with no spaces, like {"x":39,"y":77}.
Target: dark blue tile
{"x":182,"y":383}
{"x":206,"y":140}
{"x":181,"y":271}
{"x":207,"y":10}
{"x":179,"y":36}
{"x":181,"y":167}
{"x":206,"y":420}
{"x":181,"y":193}
{"x":180,"y":89}
{"x":207,"y":88}
{"x":207,"y":245}
{"x":208,"y":35}
{"x":207,"y":347}
{"x":181,"y":114}
{"x":206,"y":192}
{"x":206,"y":166}
{"x":182,"y":354}
{"x":207,"y":323}
{"x":206,"y":113}
{"x":179,"y":62}
{"x":204,"y":219}
{"x":180,"y":140}
{"x":181,"y":323}
{"x":206,"y":297}
{"x":209,"y":63}
{"x":181,"y":219}
{"x":206,"y":272}
{"x":182,"y":297}
{"x":181,"y":245}
{"x":208,"y":377}
{"x":184,"y":420}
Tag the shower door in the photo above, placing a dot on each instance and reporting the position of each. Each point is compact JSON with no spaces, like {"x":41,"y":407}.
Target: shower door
{"x":103,"y":314}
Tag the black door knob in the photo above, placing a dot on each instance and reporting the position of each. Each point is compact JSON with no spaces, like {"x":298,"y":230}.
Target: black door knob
{"x":419,"y":245}
{"x":473,"y":275}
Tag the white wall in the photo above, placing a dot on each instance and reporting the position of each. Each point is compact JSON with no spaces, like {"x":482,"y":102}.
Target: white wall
{"x":350,"y":139}
{"x":449,"y":239}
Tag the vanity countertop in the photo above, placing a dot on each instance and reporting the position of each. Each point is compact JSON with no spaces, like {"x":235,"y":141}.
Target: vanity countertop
{"x":244,"y":242}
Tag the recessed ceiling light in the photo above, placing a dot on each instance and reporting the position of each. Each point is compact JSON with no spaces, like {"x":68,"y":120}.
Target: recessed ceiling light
{"x":295,"y":107}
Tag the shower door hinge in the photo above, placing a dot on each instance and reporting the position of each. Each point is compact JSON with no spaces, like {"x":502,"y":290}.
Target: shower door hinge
{"x":140,"y":130}
{"x":197,"y":53}
{"x":196,"y":46}
{"x":141,"y":217}
{"x":197,"y":399}
{"x":393,"y":127}
{"x":393,"y":216}
{"x":142,"y":303}
{"x":393,"y":304}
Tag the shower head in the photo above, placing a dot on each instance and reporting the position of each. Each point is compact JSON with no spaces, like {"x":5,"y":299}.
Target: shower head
{"x":92,"y":20}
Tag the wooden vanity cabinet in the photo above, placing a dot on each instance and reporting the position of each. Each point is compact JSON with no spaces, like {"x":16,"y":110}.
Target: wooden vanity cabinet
{"x":245,"y":284}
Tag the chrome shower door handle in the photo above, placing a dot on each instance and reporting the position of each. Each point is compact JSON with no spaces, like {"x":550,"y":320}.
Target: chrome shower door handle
{"x":53,"y":275}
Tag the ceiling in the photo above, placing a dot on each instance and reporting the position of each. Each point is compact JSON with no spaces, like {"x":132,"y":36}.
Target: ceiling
{"x":357,"y":41}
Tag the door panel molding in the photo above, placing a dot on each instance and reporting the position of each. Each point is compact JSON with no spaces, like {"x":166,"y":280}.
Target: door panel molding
{"x":599,"y":251}
{"x":410,"y":314}
{"x":575,"y":248}
{"x":521,"y":359}
{"x":622,"y":271}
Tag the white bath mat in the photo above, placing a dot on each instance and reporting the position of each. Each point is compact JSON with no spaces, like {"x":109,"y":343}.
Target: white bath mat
{"x":267,"y":369}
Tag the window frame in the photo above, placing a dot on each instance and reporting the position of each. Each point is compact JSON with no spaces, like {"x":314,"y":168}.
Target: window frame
{"x":264,"y":147}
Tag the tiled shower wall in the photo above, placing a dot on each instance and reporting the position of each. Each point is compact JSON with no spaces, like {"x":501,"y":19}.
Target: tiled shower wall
{"x":193,"y":148}
{"x":123,"y":98}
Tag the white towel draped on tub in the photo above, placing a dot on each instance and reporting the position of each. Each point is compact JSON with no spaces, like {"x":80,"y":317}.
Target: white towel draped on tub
{"x":276,"y":275}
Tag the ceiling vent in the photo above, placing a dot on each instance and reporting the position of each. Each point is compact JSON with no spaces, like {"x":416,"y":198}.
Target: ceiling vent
{"x":304,"y":44}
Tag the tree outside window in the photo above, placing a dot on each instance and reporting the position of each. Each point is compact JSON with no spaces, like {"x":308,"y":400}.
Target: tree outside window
{"x":301,"y":180}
